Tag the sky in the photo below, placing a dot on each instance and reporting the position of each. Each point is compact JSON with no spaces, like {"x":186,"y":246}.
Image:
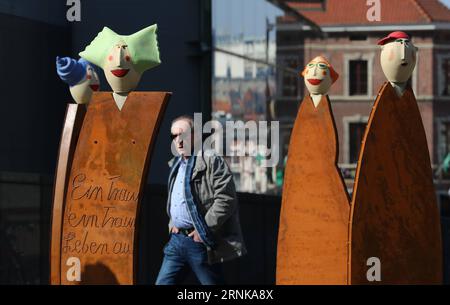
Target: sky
{"x":231,"y":17}
{"x":446,"y":2}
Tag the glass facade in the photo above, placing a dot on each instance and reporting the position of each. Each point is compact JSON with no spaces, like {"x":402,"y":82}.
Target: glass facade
{"x":244,"y":83}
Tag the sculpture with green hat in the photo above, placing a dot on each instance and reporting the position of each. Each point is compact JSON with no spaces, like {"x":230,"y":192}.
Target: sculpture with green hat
{"x":110,"y":143}
{"x":124,"y":58}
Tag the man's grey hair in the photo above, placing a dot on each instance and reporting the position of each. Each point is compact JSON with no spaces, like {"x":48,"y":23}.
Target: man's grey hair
{"x":184,"y":117}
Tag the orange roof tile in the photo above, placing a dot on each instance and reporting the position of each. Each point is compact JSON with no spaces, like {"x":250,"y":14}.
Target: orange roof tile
{"x":353,"y":12}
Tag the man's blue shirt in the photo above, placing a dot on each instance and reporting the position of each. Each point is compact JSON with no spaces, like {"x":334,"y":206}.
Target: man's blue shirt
{"x":178,"y":209}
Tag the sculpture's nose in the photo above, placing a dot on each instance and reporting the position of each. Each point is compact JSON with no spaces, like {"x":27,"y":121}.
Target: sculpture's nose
{"x":121,"y":56}
{"x":403,"y":51}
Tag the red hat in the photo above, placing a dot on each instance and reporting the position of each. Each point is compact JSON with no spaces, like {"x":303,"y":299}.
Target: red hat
{"x":392,"y":36}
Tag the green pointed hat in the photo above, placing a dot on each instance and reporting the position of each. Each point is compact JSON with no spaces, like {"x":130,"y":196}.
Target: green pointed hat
{"x":143,"y":47}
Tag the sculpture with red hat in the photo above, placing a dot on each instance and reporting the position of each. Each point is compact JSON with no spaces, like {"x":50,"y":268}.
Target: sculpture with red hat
{"x":398,"y":59}
{"x":313,"y":231}
{"x":394,"y":215}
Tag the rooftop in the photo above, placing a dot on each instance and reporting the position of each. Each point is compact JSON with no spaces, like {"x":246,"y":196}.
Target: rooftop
{"x":354,"y":12}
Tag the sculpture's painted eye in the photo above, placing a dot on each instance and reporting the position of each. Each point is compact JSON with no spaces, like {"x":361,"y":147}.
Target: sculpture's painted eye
{"x":322,"y":66}
{"x":311,"y":65}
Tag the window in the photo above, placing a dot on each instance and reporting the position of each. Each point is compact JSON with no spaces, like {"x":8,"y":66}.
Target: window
{"x":358,"y":77}
{"x":447,"y":137}
{"x":246,"y":80}
{"x":261,"y":71}
{"x":290,"y":80}
{"x":445,"y":205}
{"x":248,"y":72}
{"x":446,"y":69}
{"x":358,"y":37}
{"x":446,"y":150}
{"x":356,"y":137}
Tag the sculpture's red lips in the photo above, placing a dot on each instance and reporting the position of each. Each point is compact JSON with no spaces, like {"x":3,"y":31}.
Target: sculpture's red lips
{"x":314,"y":81}
{"x":94,"y":87}
{"x":120,"y":72}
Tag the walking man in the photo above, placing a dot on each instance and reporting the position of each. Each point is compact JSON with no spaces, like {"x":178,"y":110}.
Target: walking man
{"x":204,"y":225}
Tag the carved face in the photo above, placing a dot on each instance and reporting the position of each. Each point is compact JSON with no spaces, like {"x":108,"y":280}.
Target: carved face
{"x":317,"y":76}
{"x":119,"y":70}
{"x":82,"y":92}
{"x":398,"y":60}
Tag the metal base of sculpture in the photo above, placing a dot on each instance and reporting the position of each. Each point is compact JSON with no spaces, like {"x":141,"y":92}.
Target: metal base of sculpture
{"x":103,"y":190}
{"x":313,"y":231}
{"x":394,"y":215}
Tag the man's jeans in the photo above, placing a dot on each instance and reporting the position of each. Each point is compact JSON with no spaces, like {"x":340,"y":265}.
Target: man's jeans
{"x":182,"y":251}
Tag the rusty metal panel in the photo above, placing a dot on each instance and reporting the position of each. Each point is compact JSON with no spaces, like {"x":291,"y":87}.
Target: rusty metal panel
{"x":394,"y":214}
{"x":313,"y":232}
{"x":72,"y":124}
{"x":105,"y":186}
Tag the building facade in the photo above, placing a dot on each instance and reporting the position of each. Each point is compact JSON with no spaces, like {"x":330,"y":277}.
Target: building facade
{"x":349,"y":41}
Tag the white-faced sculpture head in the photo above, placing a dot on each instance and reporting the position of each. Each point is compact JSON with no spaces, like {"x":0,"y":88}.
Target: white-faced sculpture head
{"x":80,"y":76}
{"x":319,"y":76}
{"x":124,"y":58}
{"x":398,"y":57}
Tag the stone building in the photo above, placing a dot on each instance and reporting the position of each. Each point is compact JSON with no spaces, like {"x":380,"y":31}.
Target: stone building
{"x":349,"y":40}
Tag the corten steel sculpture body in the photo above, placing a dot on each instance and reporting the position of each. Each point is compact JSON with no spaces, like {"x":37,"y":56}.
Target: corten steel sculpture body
{"x":313,"y":232}
{"x":394,"y":214}
{"x":83,"y":81}
{"x":98,"y":189}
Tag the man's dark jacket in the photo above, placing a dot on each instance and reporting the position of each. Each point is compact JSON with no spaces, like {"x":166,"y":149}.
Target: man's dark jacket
{"x":214,"y":192}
